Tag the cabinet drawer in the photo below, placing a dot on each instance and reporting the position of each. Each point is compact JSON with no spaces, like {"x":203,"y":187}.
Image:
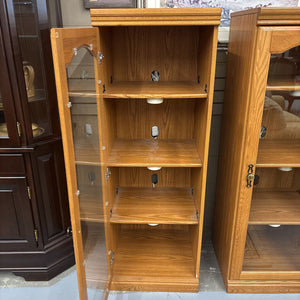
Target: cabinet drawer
{"x":12,"y":164}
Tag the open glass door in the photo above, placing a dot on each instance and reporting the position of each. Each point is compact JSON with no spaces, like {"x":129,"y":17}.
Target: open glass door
{"x":273,"y":236}
{"x":74,"y":52}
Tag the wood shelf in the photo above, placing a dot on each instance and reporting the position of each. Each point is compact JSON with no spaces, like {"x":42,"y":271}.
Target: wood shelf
{"x":161,"y":89}
{"x":275,"y":208}
{"x":82,"y":87}
{"x":83,"y":94}
{"x":272,"y":249}
{"x":90,"y":201}
{"x":158,"y":153}
{"x":159,"y":206}
{"x":283,"y":85}
{"x":278,"y":153}
{"x":153,"y":256}
{"x":86,"y":154}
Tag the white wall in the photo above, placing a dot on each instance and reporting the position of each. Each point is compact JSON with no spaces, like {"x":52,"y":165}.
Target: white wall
{"x":74,"y":14}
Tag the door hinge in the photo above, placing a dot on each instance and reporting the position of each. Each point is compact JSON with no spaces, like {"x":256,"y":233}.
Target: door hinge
{"x":29,"y":192}
{"x":19,"y":129}
{"x":197,"y":214}
{"x":107,"y":174}
{"x":36,"y":235}
{"x":250,"y":176}
{"x":100,"y":57}
{"x":69,"y":230}
{"x":112,"y":258}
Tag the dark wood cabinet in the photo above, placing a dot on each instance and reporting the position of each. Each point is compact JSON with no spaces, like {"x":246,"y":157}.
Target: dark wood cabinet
{"x":17,"y":227}
{"x":51,"y":191}
{"x":35,"y":231}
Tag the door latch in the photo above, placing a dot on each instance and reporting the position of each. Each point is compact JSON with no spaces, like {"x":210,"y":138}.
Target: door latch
{"x":250,"y":176}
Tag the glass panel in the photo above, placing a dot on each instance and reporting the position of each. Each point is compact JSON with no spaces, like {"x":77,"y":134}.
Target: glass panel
{"x":272,"y":249}
{"x":82,"y":95}
{"x":3,"y":127}
{"x":31,"y":46}
{"x":273,"y":238}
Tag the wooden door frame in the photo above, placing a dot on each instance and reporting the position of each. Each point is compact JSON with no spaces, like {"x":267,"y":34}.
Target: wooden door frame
{"x":269,"y":40}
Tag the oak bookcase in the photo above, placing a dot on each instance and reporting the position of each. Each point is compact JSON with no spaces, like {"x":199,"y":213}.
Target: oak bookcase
{"x":136,"y":170}
{"x":257,"y":210}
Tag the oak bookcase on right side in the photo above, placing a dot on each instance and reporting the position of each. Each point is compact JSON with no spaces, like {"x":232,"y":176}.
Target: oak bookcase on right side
{"x":257,"y":215}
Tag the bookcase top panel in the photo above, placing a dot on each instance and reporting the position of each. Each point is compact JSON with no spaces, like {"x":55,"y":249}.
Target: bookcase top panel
{"x":273,"y":15}
{"x":155,"y":16}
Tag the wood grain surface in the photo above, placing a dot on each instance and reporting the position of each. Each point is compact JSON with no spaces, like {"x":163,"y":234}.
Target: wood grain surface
{"x":154,"y":17}
{"x":150,"y":89}
{"x":175,"y":118}
{"x":167,"y":177}
{"x":154,"y":205}
{"x":154,"y":153}
{"x":154,"y":256}
{"x":278,"y":153}
{"x":275,"y":208}
{"x":272,"y":15}
{"x":231,"y":178}
{"x":275,"y":180}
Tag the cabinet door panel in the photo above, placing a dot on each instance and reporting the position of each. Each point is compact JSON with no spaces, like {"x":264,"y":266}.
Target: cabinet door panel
{"x":16,"y":221}
{"x":12,"y":165}
{"x":269,"y":203}
{"x":29,"y":30}
{"x":275,"y":203}
{"x":51,"y":191}
{"x":74,"y":54}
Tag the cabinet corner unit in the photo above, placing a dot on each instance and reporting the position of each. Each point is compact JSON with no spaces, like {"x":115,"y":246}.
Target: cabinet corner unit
{"x":35,"y":232}
{"x":135,"y":99}
{"x":257,"y":210}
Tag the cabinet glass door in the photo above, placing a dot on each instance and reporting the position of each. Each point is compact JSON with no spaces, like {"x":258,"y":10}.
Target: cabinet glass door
{"x":32,"y":24}
{"x":8,"y":123}
{"x":74,"y":53}
{"x":84,"y":116}
{"x":273,"y":237}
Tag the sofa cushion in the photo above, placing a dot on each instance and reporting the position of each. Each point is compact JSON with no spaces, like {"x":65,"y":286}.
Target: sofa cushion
{"x":273,"y":118}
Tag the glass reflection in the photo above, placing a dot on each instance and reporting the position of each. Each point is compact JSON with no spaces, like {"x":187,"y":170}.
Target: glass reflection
{"x":31,"y":41}
{"x":3,"y":127}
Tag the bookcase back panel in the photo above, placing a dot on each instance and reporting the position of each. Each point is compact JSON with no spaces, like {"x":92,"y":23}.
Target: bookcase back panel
{"x":278,"y":179}
{"x":174,"y":118}
{"x":171,"y":50}
{"x":167,"y":177}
